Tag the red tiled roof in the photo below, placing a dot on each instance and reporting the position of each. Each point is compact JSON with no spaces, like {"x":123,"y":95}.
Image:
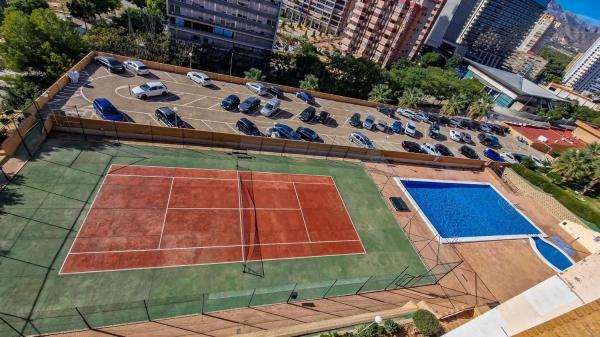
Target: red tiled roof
{"x":552,"y":134}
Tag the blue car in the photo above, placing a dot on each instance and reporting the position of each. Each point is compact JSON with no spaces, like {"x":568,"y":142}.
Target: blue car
{"x":396,"y":127}
{"x":493,"y":155}
{"x":306,"y":97}
{"x":106,"y":110}
{"x":286,"y":132}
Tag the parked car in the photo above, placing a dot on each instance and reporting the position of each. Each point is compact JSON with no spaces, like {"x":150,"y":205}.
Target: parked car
{"x":386,"y":110}
{"x":520,"y":157}
{"x":307,"y":114}
{"x":454,"y":122}
{"x":257,"y":88}
{"x":230,"y":102}
{"x":508,"y":157}
{"x":429,"y":149}
{"x":306,"y":97}
{"x":275,"y":91}
{"x":355,"y":120}
{"x":111,"y":64}
{"x":466,"y":138}
{"x":136,"y":67}
{"x":464,"y":123}
{"x":413,"y":147}
{"x":474,"y":125}
{"x":411,"y":129}
{"x":271,"y":107}
{"x":381,"y":125}
{"x":361,"y":140}
{"x":493,"y":155}
{"x":247,"y":127}
{"x":434,"y":131}
{"x":369,"y":122}
{"x":286,"y":132}
{"x":169,"y":117}
{"x":499,"y":130}
{"x":443,"y":120}
{"x":485,"y":128}
{"x":396,"y":127}
{"x":309,"y":134}
{"x":406,"y":113}
{"x":455,"y":135}
{"x":468,"y":152}
{"x":444,"y":150}
{"x":200,"y":78}
{"x":249,"y":104}
{"x":489,"y":140}
{"x":420,"y":117}
{"x":106,"y":110}
{"x":150,"y":89}
{"x":432,"y":118}
{"x":323,"y":117}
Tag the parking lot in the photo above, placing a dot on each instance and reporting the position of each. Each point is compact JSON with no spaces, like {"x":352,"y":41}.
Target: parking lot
{"x":200,"y":108}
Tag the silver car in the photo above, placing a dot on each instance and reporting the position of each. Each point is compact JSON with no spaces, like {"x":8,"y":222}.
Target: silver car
{"x":257,"y":88}
{"x":361,"y":140}
{"x":271,"y":107}
{"x":136,"y":67}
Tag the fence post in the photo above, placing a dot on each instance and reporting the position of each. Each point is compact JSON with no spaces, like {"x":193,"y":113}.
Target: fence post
{"x":80,"y":125}
{"x":4,"y":174}
{"x":202,"y":308}
{"x":397,"y":277}
{"x":325,"y":294}
{"x":147,"y":312}
{"x":251,"y":297}
{"x":83,"y":318}
{"x":12,"y":327}
{"x":22,"y":139}
{"x":43,"y":123}
{"x":363,"y":285}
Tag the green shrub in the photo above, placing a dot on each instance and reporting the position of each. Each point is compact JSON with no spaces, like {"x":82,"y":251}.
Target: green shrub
{"x":555,"y":177}
{"x":426,"y":322}
{"x":391,"y":327}
{"x":566,"y":198}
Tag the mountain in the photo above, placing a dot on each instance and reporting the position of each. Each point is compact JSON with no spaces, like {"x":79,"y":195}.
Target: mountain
{"x":574,"y":34}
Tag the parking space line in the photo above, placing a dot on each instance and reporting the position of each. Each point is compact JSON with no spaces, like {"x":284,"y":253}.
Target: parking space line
{"x":196,"y":100}
{"x":174,"y":80}
{"x":210,"y":127}
{"x":232,"y":128}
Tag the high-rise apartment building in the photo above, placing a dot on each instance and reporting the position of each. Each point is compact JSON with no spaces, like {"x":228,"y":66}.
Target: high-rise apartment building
{"x":496,"y":28}
{"x":327,"y":16}
{"x":450,"y":23}
{"x":384,"y":30}
{"x":539,"y":35}
{"x":248,"y":24}
{"x":583,"y":74}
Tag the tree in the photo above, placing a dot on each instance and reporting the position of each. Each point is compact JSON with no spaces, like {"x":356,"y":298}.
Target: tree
{"x":391,"y":327}
{"x":157,"y":6}
{"x":40,"y":42}
{"x":454,"y":63}
{"x":381,"y":93}
{"x":432,"y":59}
{"x":578,"y":167}
{"x":454,"y":105}
{"x":412,"y":98}
{"x":254,"y":74}
{"x":87,"y":10}
{"x":426,"y":322}
{"x":20,"y":91}
{"x":27,"y":6}
{"x":481,"y":106}
{"x":139,"y":3}
{"x":310,"y":82}
{"x":555,"y":68}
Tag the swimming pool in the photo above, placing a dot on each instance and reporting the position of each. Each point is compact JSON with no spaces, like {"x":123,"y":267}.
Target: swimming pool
{"x":467,"y":211}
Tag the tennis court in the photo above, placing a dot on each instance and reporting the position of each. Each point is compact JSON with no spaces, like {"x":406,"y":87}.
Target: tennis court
{"x":149,"y":217}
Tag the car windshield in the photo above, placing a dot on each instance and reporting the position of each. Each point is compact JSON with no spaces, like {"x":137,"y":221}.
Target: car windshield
{"x":110,"y":110}
{"x":230,"y":99}
{"x":113,"y":62}
{"x":145,"y":86}
{"x":410,"y":127}
{"x":142,"y":67}
{"x":269,"y":106}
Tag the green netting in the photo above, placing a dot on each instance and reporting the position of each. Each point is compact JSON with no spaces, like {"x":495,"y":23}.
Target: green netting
{"x":117,"y":313}
{"x":271,"y":295}
{"x":31,"y":140}
{"x":175,"y":306}
{"x":11,"y":326}
{"x":379,"y":282}
{"x":311,"y":291}
{"x":227,"y":300}
{"x":346,"y":286}
{"x":55,"y":320}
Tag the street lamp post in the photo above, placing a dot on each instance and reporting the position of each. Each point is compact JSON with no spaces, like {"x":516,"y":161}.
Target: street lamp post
{"x":231,"y":63}
{"x":190,"y":54}
{"x":376,"y":320}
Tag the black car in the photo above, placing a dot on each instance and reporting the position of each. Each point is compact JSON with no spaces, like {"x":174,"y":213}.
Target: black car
{"x":386,"y":110}
{"x":309,"y":134}
{"x":169,"y":117}
{"x":250,"y":104}
{"x":308,"y":114}
{"x":247,"y":127}
{"x":455,"y":122}
{"x":499,"y":130}
{"x":110,"y":63}
{"x":432,"y":118}
{"x":230,"y":102}
{"x":474,"y":125}
{"x":355,"y":120}
{"x":443,"y":150}
{"x":434,"y":131}
{"x":443,"y":120}
{"x":411,"y":147}
{"x":468,"y":152}
{"x":275,"y":91}
{"x":489,"y":140}
{"x":323,"y":117}
{"x":465,"y":124}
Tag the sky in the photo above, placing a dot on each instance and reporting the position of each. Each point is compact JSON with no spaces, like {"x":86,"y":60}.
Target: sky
{"x":586,"y":9}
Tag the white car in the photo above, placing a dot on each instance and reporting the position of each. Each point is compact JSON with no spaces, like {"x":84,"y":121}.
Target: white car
{"x":200,"y":78}
{"x":411,"y":129}
{"x":508,"y":157}
{"x":257,"y":88}
{"x":429,"y":149}
{"x":271,"y":107}
{"x":406,"y":113}
{"x":150,"y":89}
{"x":381,"y":125}
{"x":420,"y":117}
{"x":455,"y":135}
{"x":136,"y":67}
{"x":369,"y":122}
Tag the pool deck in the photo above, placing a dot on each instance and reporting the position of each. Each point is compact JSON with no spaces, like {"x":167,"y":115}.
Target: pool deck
{"x":507,"y":267}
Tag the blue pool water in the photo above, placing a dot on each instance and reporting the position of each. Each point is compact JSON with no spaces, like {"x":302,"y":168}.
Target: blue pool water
{"x":462,"y":212}
{"x":552,"y":255}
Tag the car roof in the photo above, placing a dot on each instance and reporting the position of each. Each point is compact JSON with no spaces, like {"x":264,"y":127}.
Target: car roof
{"x":155,"y":83}
{"x":279,"y":125}
{"x":252,"y":99}
{"x":167,"y":111}
{"x":232,"y":96}
{"x":199,"y":73}
{"x":136,"y":62}
{"x":104,"y":102}
{"x":274,"y":100}
{"x":246,"y":121}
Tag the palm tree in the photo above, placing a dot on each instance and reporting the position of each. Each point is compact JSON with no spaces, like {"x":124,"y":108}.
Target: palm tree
{"x":577,"y":166}
{"x":412,"y":98}
{"x":254,"y":74}
{"x":310,"y":82}
{"x":454,"y":105}
{"x":381,"y":93}
{"x":594,"y":149}
{"x":481,"y":106}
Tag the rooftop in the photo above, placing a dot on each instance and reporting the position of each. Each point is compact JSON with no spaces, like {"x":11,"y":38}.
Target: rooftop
{"x":553,"y":135}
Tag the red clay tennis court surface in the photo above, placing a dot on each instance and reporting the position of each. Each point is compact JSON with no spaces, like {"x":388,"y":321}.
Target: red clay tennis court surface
{"x":151,"y":217}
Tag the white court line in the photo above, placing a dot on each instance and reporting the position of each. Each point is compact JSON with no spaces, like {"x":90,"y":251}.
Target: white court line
{"x":232,"y":179}
{"x":301,"y":212}
{"x":235,"y":208}
{"x":162,"y":230}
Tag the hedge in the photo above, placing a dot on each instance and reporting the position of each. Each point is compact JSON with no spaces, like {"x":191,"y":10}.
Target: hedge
{"x":572,"y":203}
